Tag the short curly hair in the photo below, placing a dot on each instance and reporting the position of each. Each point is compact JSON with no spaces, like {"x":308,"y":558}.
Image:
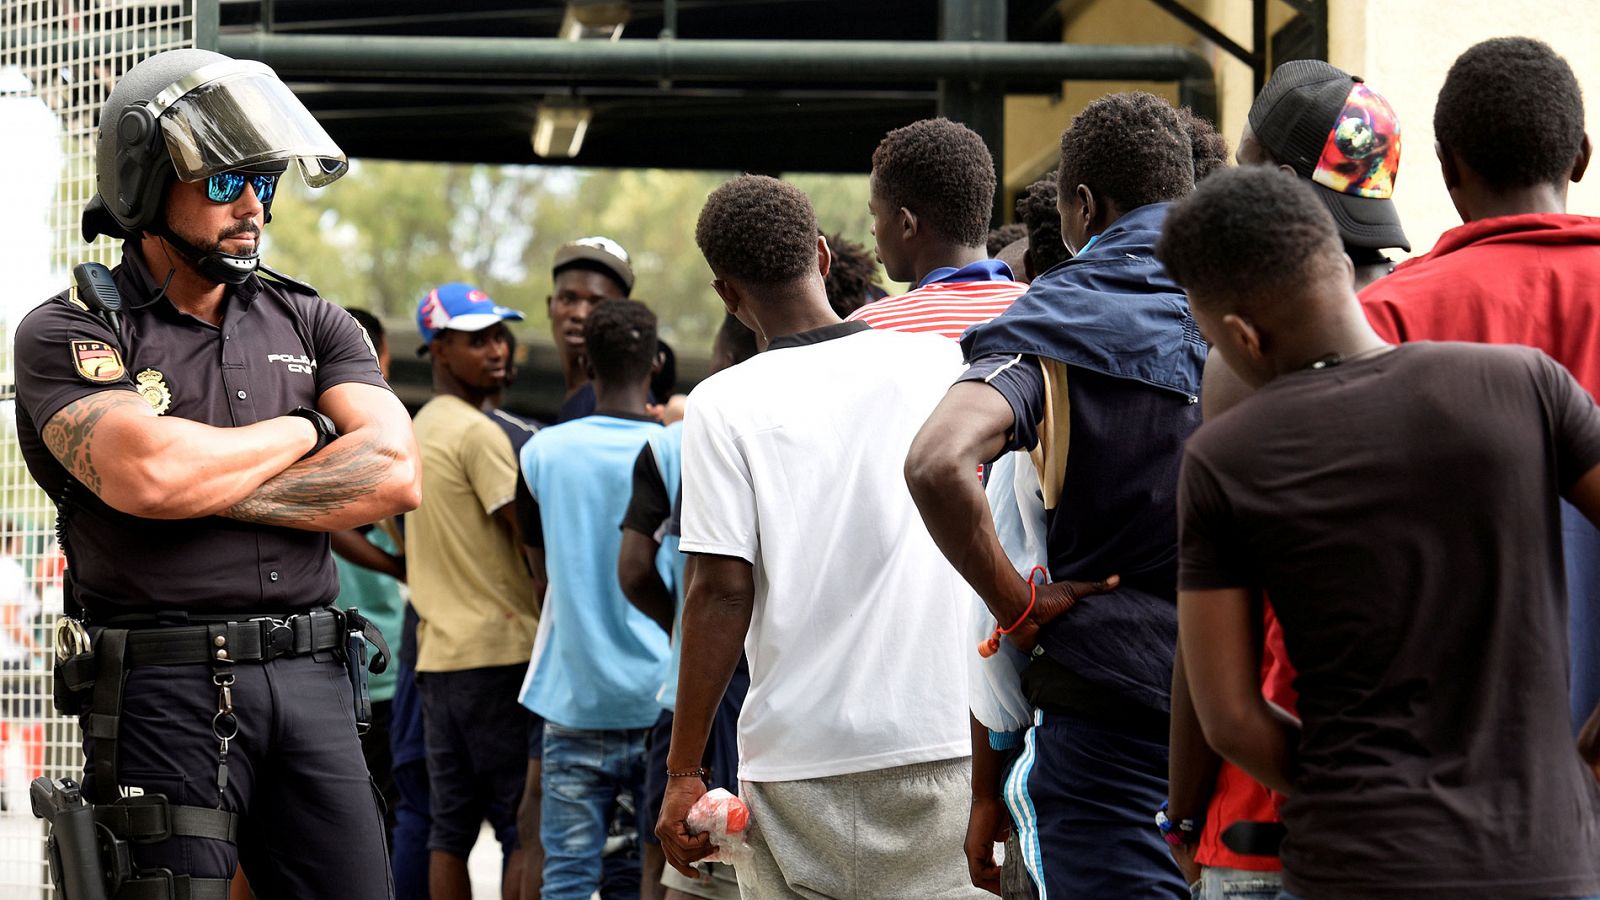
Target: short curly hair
{"x":1036,"y":207}
{"x":942,"y":171}
{"x":758,"y":229}
{"x":1129,"y":148}
{"x":1512,"y":110}
{"x":852,"y":280}
{"x":1248,"y":238}
{"x":620,"y":336}
{"x":1207,"y":147}
{"x":1004,"y":236}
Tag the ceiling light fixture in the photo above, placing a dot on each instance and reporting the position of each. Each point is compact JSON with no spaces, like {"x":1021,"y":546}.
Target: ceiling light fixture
{"x":559,"y":129}
{"x":594,"y":20}
{"x":561,"y":123}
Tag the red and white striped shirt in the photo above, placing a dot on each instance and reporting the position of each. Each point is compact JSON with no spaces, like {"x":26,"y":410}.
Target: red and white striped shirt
{"x":945,"y":307}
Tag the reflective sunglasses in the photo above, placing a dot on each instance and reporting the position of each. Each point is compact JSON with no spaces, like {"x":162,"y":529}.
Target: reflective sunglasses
{"x":225,"y":187}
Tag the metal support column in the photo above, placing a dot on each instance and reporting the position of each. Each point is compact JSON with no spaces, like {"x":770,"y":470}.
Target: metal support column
{"x":207,"y":23}
{"x":977,"y":103}
{"x":1258,"y":40}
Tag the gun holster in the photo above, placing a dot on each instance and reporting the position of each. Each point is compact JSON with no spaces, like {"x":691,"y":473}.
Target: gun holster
{"x":90,"y":845}
{"x":73,"y":846}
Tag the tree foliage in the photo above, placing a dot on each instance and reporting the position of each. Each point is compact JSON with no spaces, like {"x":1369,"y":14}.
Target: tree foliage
{"x":389,"y":231}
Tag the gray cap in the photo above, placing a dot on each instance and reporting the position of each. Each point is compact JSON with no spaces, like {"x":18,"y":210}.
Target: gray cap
{"x":597,"y":254}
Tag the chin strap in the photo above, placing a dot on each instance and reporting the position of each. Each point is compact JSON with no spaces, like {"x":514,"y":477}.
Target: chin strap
{"x":223,"y":268}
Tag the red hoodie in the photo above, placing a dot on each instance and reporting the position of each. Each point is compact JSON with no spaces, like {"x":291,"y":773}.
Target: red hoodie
{"x":1529,"y":279}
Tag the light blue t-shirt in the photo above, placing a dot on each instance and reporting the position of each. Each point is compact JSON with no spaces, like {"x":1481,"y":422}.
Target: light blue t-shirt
{"x":666,"y":448}
{"x":597,"y":661}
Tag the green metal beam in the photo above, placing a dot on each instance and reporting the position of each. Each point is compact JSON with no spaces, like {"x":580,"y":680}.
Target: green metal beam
{"x":978,"y":103}
{"x":430,"y":58}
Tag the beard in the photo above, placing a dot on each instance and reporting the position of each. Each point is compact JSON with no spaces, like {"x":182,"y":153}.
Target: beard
{"x":205,"y":245}
{"x":238,"y":229}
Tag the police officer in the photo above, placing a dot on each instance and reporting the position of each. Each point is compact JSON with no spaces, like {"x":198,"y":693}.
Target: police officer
{"x":199,"y":448}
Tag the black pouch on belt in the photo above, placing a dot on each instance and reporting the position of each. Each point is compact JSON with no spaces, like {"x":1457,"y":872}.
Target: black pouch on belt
{"x":73,"y":684}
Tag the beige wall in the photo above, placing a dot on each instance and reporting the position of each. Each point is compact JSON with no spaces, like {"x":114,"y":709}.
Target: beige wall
{"x":1034,"y":124}
{"x":1404,"y":48}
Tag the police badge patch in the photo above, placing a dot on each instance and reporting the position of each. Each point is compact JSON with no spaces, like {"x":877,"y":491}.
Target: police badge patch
{"x":153,"y":388}
{"x":97,"y":361}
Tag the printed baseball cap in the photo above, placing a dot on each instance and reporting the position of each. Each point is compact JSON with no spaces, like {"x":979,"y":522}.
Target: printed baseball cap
{"x":458,"y":306}
{"x":598,"y":254}
{"x":1343,"y":137}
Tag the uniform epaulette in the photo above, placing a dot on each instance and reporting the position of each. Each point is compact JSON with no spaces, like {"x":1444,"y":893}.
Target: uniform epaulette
{"x":283,"y":279}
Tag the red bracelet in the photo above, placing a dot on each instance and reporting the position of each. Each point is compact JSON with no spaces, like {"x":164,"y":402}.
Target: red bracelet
{"x":991,"y":646}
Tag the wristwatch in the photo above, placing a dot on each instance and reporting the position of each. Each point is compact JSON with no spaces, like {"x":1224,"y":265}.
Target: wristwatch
{"x":1179,"y":832}
{"x":327,"y":432}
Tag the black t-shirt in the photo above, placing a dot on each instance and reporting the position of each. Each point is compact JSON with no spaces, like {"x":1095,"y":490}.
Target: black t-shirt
{"x":518,"y":428}
{"x":529,"y":520}
{"x":650,"y":506}
{"x":1401,"y":512}
{"x":279,"y":346}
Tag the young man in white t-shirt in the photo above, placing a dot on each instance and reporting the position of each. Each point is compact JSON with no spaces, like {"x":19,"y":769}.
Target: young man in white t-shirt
{"x":853,"y":738}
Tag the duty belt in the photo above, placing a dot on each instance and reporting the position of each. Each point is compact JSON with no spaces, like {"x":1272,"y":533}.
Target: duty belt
{"x":253,"y":640}
{"x":89,"y":679}
{"x":93,"y":828}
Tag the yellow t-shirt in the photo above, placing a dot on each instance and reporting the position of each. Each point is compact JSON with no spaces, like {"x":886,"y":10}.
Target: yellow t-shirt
{"x":468,"y":582}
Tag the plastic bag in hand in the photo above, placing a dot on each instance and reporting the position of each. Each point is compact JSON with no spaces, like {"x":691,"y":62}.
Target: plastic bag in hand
{"x":726,"y":819}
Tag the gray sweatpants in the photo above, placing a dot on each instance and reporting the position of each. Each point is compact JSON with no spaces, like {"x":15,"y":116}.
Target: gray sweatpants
{"x":884,"y":834}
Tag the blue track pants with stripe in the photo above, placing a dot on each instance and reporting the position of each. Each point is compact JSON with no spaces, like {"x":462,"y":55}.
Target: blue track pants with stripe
{"x":1083,"y":796}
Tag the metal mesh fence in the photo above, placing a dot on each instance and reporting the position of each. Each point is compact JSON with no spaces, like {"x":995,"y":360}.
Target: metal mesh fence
{"x":58,"y":61}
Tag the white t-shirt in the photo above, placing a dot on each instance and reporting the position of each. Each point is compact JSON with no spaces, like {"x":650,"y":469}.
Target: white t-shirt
{"x":793,"y":461}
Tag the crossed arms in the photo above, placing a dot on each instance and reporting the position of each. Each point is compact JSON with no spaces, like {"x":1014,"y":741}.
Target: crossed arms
{"x":161,"y":467}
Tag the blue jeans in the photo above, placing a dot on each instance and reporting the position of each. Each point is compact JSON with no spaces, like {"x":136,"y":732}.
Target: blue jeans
{"x":584,"y":772}
{"x":1219,"y":883}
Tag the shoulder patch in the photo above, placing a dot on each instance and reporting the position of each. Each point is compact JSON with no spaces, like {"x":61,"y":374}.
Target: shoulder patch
{"x":97,"y":361}
{"x":274,"y":275}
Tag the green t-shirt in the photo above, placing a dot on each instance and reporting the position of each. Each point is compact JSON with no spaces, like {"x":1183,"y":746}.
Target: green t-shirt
{"x":378,"y":598}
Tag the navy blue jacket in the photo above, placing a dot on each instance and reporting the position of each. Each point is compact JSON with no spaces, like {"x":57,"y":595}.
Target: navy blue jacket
{"x":1117,"y":329}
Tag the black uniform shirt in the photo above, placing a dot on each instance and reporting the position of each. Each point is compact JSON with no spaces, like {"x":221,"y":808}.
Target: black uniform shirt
{"x":279,"y":346}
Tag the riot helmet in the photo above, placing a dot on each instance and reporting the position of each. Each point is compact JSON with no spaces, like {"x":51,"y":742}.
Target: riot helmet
{"x":192,"y":114}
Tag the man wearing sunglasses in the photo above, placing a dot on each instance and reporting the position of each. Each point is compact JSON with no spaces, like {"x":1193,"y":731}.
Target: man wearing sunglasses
{"x":199,"y":446}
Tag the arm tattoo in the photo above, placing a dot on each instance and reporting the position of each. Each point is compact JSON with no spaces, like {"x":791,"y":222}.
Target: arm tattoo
{"x":70,"y":433}
{"x":329,"y":483}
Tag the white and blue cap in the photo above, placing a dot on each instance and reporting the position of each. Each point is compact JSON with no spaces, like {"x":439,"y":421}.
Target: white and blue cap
{"x":458,"y":306}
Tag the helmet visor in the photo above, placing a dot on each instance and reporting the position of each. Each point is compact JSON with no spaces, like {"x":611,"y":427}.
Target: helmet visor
{"x":243,"y":119}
